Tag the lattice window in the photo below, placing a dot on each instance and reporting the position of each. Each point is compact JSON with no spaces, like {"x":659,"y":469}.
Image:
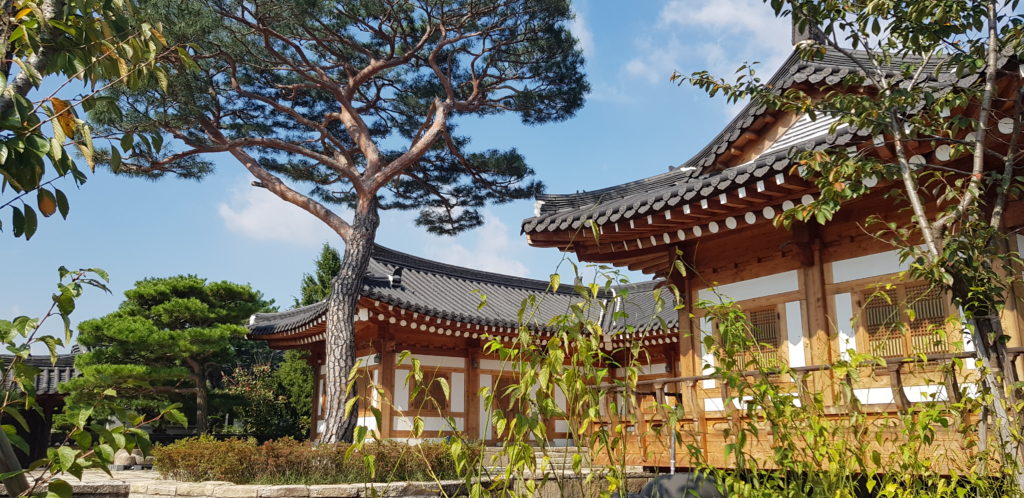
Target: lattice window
{"x":905,"y":320}
{"x":882,"y":320}
{"x":432,"y":397}
{"x":929,"y":316}
{"x":767,"y":331}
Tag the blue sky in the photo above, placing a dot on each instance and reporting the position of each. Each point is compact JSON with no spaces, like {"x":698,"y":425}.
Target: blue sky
{"x":635,"y":124}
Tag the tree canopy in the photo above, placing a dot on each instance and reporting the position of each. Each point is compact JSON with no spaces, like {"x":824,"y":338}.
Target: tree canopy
{"x":316,"y":286}
{"x":360,"y":99}
{"x":79,"y":49}
{"x":166,"y":341}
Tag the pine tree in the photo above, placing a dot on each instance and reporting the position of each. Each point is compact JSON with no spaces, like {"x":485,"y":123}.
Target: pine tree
{"x":346,"y":107}
{"x":316,"y":286}
{"x":166,"y":341}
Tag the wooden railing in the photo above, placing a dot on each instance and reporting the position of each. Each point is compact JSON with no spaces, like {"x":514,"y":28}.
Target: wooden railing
{"x":688,"y":389}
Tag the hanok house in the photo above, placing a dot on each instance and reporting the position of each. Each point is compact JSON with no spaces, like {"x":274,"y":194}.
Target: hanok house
{"x":433,"y":311}
{"x":809,"y":291}
{"x":48,"y":398}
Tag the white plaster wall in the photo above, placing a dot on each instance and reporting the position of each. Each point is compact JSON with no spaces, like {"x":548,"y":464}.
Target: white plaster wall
{"x":494,"y":365}
{"x":485,"y":421}
{"x":458,"y":392}
{"x":427,"y":360}
{"x":795,"y":334}
{"x":559,"y":398}
{"x":319,"y":402}
{"x":652,"y":369}
{"x":930,"y":392}
{"x":429,"y":423}
{"x":915,"y":394}
{"x":874,"y":395}
{"x":872,"y":265}
{"x":755,"y":287}
{"x":713,"y":405}
{"x":370,"y":422}
{"x":367,"y":360}
{"x":844,"y":321}
{"x":374,"y":394}
{"x":707,"y":357}
{"x":401,"y":390}
{"x":561,"y":426}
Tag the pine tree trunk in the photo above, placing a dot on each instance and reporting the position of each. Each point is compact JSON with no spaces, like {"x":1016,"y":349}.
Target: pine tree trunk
{"x":202,"y":403}
{"x":340,"y":350}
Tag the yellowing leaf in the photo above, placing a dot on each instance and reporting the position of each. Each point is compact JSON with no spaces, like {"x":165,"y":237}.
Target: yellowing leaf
{"x":159,"y":36}
{"x":22,"y":13}
{"x":65,"y":116}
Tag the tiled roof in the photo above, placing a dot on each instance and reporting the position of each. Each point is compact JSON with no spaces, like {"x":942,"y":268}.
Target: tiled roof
{"x":51,"y":373}
{"x":453,"y":292}
{"x":692,"y":181}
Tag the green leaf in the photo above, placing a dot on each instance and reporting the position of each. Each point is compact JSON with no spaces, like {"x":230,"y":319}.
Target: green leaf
{"x":67,"y":456}
{"x":555,"y":280}
{"x":59,"y":488}
{"x":31,"y":222}
{"x":16,"y":440}
{"x":62,"y":203}
{"x":83,"y":416}
{"x":115,"y":159}
{"x":176,"y":417}
{"x":14,"y":413}
{"x":17,"y":222}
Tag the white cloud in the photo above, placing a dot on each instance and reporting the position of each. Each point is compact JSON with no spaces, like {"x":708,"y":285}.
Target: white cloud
{"x":579,"y":29}
{"x":258,"y":214}
{"x":610,"y":93}
{"x":658,"y":60}
{"x":717,"y":35}
{"x":487,"y":248}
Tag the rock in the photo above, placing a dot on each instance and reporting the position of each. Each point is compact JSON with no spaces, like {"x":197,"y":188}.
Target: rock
{"x":123,"y":460}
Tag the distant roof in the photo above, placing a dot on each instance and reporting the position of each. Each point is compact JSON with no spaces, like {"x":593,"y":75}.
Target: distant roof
{"x":51,"y":373}
{"x":696,"y":179}
{"x":452,"y":292}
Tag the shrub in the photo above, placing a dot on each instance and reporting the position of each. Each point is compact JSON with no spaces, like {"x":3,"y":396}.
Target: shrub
{"x":286,"y":461}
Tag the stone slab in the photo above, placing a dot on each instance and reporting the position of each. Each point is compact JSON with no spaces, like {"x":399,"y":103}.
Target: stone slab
{"x":237,"y":491}
{"x":283,"y":491}
{"x":335,"y":490}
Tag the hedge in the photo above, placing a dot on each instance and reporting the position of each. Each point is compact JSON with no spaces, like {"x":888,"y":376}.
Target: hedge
{"x":286,"y":461}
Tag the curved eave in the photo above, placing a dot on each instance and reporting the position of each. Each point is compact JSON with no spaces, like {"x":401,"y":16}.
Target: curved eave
{"x":633,"y":200}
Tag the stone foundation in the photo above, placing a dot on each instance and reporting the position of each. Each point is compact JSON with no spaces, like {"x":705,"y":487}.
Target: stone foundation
{"x":140,"y":484}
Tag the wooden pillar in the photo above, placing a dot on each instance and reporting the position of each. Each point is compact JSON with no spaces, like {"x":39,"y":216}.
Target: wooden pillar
{"x":688,"y":346}
{"x":315,"y":360}
{"x":812,"y":281}
{"x":473,"y":391}
{"x":387,"y":379}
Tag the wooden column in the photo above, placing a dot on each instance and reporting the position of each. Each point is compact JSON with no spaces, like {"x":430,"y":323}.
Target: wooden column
{"x":473,"y":391}
{"x":387,"y":380}
{"x":315,"y":360}
{"x":812,"y":281}
{"x":688,"y":347}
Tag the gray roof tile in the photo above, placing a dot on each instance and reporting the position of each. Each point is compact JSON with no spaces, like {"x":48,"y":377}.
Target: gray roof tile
{"x":453,"y":292}
{"x":691,"y":180}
